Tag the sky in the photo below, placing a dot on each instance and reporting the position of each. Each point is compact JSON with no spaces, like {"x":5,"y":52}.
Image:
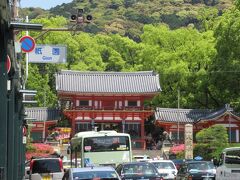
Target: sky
{"x":44,"y":4}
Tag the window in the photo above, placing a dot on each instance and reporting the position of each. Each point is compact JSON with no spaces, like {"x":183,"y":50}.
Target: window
{"x":83,"y":103}
{"x":132,"y":103}
{"x":232,"y":157}
{"x":46,"y":166}
{"x":108,"y":143}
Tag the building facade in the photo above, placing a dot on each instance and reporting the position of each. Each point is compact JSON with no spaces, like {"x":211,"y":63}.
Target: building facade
{"x":174,"y":120}
{"x":39,"y":119}
{"x":107,"y":100}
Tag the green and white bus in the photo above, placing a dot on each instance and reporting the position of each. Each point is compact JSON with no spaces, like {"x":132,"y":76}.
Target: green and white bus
{"x":101,"y":148}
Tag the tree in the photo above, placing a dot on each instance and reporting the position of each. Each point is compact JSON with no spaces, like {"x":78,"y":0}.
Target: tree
{"x":211,"y":141}
{"x":225,"y":70}
{"x":181,"y":57}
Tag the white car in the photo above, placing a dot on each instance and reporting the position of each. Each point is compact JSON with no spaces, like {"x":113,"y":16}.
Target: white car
{"x":166,"y":168}
{"x":46,"y":169}
{"x":141,"y":158}
{"x":67,"y":163}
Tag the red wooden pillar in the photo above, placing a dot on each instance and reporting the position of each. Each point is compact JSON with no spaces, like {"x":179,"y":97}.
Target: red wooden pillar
{"x":73,"y":124}
{"x":74,"y":102}
{"x":143,"y":131}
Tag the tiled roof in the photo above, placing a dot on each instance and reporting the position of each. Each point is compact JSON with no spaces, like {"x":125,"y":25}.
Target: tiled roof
{"x":42,"y":114}
{"x":181,"y":115}
{"x":217,"y":113}
{"x":107,"y":82}
{"x":191,"y":115}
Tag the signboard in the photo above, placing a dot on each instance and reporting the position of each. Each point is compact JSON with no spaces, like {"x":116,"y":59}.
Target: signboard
{"x":48,"y":54}
{"x":8,"y":64}
{"x":188,"y":141}
{"x":24,"y":131}
{"x":24,"y":140}
{"x":27,"y":43}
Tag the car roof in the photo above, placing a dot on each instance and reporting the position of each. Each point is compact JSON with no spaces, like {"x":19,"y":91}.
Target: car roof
{"x":137,"y":162}
{"x":191,"y":162}
{"x":141,"y":156}
{"x":43,"y":158}
{"x":87,"y":169}
{"x":161,"y":160}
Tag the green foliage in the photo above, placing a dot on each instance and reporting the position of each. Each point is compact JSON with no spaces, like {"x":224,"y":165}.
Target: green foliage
{"x":30,"y":147}
{"x":180,"y":155}
{"x":226,"y":64}
{"x":180,"y":56}
{"x":135,"y":13}
{"x":211,"y":141}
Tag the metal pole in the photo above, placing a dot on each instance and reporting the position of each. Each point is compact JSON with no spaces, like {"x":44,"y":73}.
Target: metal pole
{"x":178,"y":136}
{"x":27,"y":57}
{"x":230,"y":130}
{"x":44,"y":121}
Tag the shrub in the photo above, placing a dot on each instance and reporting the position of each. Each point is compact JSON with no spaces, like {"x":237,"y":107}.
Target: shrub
{"x":211,"y":141}
{"x":30,"y":148}
{"x":38,"y":150}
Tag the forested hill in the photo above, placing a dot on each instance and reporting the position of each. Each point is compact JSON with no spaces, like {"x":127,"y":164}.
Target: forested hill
{"x":200,"y":60}
{"x":126,"y":17}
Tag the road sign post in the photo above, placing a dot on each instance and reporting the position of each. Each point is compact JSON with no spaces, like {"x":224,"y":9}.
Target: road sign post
{"x":27,"y":43}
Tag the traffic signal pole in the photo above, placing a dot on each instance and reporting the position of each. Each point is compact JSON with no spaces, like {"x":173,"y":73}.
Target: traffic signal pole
{"x":4,"y":34}
{"x":12,"y":152}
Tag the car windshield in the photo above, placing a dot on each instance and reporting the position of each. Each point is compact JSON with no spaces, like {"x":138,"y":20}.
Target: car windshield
{"x":46,"y":166}
{"x":200,"y":166}
{"x":146,"y":169}
{"x":95,"y":175}
{"x":164,"y":165}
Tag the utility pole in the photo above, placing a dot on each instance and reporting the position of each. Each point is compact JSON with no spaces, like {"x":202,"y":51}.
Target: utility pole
{"x":4,"y":34}
{"x":14,"y":9}
{"x":12,"y":149}
{"x":178,"y":135}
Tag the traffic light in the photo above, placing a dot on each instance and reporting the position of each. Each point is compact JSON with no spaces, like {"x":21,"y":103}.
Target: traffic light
{"x":79,"y":18}
{"x":89,"y":18}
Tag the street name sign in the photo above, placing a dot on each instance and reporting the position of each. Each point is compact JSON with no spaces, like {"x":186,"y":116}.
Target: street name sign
{"x":48,"y":54}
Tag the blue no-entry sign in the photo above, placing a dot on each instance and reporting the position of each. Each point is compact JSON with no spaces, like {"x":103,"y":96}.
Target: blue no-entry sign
{"x":27,"y":43}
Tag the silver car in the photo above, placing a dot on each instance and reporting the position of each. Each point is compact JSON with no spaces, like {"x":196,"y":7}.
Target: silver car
{"x":89,"y":173}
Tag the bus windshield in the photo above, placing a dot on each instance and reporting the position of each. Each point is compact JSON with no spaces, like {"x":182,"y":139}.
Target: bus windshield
{"x":106,"y":143}
{"x":232,"y":157}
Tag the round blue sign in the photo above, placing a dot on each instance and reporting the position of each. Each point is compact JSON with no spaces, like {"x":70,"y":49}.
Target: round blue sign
{"x":27,"y":43}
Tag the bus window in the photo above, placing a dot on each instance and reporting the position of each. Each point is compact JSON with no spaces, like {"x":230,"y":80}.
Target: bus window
{"x":107,"y":143}
{"x":232,"y":157}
